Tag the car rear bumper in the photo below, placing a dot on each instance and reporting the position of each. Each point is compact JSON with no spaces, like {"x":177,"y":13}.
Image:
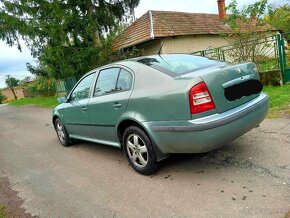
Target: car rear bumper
{"x":208,"y":133}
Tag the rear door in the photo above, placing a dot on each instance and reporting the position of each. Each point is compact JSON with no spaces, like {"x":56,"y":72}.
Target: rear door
{"x":75,"y":110}
{"x":110,"y":98}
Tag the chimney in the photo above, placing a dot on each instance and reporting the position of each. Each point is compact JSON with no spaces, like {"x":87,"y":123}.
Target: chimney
{"x":222,"y":9}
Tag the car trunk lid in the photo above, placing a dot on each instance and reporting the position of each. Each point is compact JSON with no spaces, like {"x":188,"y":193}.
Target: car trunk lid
{"x":224,"y":80}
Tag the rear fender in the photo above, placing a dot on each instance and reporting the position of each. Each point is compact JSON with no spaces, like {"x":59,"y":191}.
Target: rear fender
{"x":132,"y":116}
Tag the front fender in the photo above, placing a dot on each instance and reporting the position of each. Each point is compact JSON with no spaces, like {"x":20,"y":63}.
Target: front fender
{"x":57,"y":113}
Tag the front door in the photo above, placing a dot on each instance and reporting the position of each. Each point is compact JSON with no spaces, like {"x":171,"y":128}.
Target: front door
{"x":110,"y":98}
{"x":75,"y":110}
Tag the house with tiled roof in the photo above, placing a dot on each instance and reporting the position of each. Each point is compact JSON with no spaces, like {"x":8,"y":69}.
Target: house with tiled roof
{"x":175,"y":32}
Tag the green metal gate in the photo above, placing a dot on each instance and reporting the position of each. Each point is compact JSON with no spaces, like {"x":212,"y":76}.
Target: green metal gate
{"x":65,"y":86}
{"x":269,"y":53}
{"x":284,"y":55}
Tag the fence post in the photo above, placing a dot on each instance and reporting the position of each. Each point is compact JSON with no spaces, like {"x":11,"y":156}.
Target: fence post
{"x":223,"y":55}
{"x":281,"y":56}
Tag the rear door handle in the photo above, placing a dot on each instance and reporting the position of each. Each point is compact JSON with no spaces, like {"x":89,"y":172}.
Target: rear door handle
{"x":84,"y":109}
{"x":117,"y":105}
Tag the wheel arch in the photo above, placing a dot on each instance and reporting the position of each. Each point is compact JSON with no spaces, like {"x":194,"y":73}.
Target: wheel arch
{"x":54,"y":117}
{"x":124,"y":124}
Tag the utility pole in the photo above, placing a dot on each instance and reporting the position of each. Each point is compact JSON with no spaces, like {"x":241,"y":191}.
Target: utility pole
{"x":10,"y":85}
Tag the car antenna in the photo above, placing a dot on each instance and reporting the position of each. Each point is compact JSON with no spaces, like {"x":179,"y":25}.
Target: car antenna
{"x":159,"y":52}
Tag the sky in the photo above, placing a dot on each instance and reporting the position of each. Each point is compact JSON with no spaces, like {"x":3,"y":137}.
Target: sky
{"x":13,"y":62}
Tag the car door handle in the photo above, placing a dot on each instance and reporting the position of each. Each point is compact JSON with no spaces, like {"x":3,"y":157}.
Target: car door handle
{"x":84,"y":109}
{"x":117,"y":105}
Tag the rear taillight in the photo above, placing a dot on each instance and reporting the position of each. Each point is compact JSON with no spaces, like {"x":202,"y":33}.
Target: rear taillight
{"x":200,"y":99}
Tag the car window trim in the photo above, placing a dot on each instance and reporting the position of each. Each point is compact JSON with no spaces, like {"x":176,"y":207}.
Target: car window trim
{"x":117,"y":79}
{"x":81,"y":79}
{"x":94,"y":89}
{"x":115,"y":92}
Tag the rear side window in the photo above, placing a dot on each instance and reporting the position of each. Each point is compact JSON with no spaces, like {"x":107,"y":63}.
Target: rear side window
{"x":113,"y":80}
{"x":124,"y":81}
{"x":177,"y":64}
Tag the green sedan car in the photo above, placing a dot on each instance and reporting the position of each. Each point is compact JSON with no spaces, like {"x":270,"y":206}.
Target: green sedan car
{"x":157,"y":105}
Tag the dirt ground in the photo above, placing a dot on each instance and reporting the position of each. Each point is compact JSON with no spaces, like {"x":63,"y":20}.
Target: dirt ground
{"x":247,"y":178}
{"x":11,"y":200}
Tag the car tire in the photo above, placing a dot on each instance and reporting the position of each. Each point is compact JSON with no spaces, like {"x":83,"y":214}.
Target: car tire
{"x":62,"y":133}
{"x":139,"y":150}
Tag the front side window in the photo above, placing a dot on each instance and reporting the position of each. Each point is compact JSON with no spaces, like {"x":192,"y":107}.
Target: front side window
{"x":83,"y":88}
{"x":113,"y":80}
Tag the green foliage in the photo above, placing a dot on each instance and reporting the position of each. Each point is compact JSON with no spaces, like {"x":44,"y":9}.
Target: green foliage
{"x":247,"y":23}
{"x":50,"y":102}
{"x":279,"y":17}
{"x":42,"y":86}
{"x":12,"y":82}
{"x":64,"y":62}
{"x":249,"y":31}
{"x":3,"y":213}
{"x":65,"y":36}
{"x":24,"y":82}
{"x":2,"y":97}
{"x":248,"y":18}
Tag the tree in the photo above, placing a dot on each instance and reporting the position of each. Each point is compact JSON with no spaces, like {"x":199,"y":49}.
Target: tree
{"x":27,"y":79}
{"x":11,"y":82}
{"x":248,"y":31}
{"x":24,"y":82}
{"x":279,"y":17}
{"x":66,"y":36}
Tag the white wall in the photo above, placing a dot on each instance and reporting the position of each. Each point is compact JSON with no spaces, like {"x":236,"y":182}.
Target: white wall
{"x":150,"y":48}
{"x":188,"y":44}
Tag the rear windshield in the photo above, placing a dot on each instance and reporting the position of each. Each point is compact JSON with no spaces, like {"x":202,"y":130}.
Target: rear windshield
{"x":177,"y":64}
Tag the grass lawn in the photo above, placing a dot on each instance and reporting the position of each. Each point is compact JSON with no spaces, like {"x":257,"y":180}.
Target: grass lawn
{"x":2,"y":211}
{"x":279,"y":100}
{"x":38,"y":101}
{"x":269,"y":64}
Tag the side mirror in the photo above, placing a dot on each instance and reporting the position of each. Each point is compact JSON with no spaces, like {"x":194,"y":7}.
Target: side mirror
{"x":62,"y":99}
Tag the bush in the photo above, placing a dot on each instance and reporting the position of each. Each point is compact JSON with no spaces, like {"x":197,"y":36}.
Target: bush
{"x":2,"y":97}
{"x":42,"y":86}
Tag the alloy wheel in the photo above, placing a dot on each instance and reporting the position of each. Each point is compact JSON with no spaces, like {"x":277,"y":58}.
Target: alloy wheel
{"x":60,"y":132}
{"x":137,"y":150}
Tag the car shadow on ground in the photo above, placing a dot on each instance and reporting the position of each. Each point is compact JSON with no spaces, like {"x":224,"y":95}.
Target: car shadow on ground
{"x":222,"y":157}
